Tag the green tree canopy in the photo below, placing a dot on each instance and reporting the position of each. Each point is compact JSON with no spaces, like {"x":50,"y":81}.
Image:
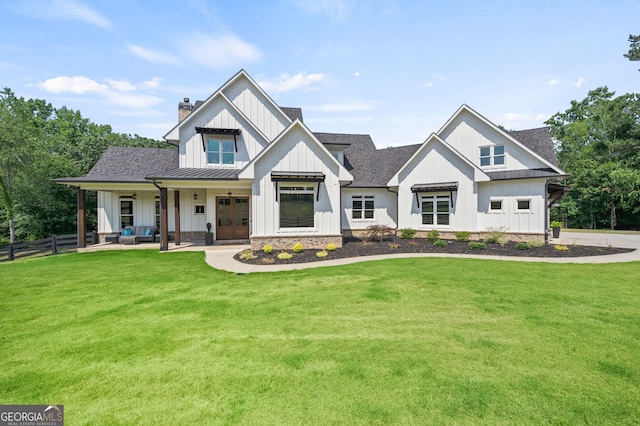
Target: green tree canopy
{"x":634,"y":48}
{"x":598,"y":144}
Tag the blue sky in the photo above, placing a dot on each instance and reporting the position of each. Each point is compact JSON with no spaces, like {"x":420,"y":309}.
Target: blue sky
{"x":396,"y":70}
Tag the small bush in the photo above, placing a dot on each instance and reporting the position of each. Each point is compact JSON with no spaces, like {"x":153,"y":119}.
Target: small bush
{"x":297,"y":248}
{"x":413,"y":243}
{"x":367,"y":243}
{"x":440,"y":243}
{"x":407,"y":234}
{"x":284,"y":256}
{"x":394,"y":245}
{"x":247,"y":255}
{"x":267,"y":248}
{"x":322,"y":253}
{"x":495,"y":236}
{"x":535,"y":244}
{"x":433,"y":236}
{"x":523,"y":246}
{"x":561,"y":247}
{"x":331,"y":247}
{"x":268,"y":260}
{"x":463,"y":236}
{"x":476,"y":245}
{"x":378,"y":232}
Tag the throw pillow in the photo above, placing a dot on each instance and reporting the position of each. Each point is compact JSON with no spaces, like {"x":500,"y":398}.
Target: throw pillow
{"x":127,"y":232}
{"x":148,"y":231}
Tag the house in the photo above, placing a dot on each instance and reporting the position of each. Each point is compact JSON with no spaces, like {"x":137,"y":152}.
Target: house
{"x":256,"y":172}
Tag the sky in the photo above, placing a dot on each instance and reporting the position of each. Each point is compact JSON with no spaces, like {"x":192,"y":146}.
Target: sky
{"x":394,"y":69}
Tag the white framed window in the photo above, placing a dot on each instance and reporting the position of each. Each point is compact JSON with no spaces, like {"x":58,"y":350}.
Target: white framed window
{"x":297,"y":206}
{"x":362,"y":207}
{"x":221,"y":152}
{"x":524,"y":205}
{"x":495,"y":206}
{"x":157,"y":213}
{"x":126,"y":213}
{"x":199,"y":209}
{"x":492,"y":156}
{"x":436,"y":210}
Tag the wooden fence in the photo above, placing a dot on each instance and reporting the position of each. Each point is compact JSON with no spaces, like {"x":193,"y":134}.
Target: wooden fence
{"x":52,"y":245}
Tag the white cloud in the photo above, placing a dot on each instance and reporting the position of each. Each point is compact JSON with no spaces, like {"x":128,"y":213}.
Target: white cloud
{"x":334,"y":9}
{"x":554,"y":82}
{"x":119,"y":93}
{"x":427,"y":85}
{"x":581,"y":81}
{"x":151,"y":84}
{"x":356,"y":74}
{"x":156,"y":57}
{"x":287,"y":83}
{"x":219,"y":52}
{"x":344,"y":107}
{"x":78,"y":85}
{"x":60,"y":9}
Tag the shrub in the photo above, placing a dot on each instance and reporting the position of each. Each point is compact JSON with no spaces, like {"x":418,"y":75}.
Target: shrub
{"x":535,"y":243}
{"x":322,"y":253}
{"x":378,"y":232}
{"x":495,"y":236}
{"x":247,"y":255}
{"x":268,"y":260}
{"x":367,"y":243}
{"x":267,"y":248}
{"x":440,"y":243}
{"x":407,"y":234}
{"x":476,"y":245}
{"x":433,"y":236}
{"x":561,"y":247}
{"x":413,"y":243}
{"x":331,"y":247}
{"x":463,"y":236}
{"x":297,"y":248}
{"x":284,"y":256}
{"x":523,"y":246}
{"x":394,"y":245}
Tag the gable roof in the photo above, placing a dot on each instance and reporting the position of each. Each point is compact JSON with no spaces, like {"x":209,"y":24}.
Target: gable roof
{"x":537,"y":140}
{"x":374,"y":169}
{"x":293,"y":113}
{"x":127,"y":165}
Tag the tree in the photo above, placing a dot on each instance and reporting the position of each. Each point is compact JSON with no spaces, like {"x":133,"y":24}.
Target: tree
{"x":634,"y":48}
{"x":599,"y":146}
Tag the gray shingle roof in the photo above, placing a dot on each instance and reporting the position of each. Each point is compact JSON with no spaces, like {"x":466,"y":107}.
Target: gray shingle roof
{"x":374,"y":168}
{"x":125,"y":164}
{"x":537,"y":140}
{"x":293,"y":113}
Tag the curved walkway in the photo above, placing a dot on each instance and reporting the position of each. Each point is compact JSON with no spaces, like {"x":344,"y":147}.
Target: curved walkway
{"x":223,"y":258}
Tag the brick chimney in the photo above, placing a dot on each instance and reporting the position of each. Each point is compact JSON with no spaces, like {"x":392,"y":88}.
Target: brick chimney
{"x":184,"y":109}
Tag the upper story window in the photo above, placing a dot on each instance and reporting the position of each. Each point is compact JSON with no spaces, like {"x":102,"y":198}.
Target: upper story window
{"x":492,"y":156}
{"x":220,"y":151}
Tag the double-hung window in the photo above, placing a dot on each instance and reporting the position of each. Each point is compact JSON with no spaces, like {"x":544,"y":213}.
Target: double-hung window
{"x":362,"y":207}
{"x":492,"y":156}
{"x":126,"y":213}
{"x":435,"y":210}
{"x":157,"y":214}
{"x":220,"y":152}
{"x":297,"y":206}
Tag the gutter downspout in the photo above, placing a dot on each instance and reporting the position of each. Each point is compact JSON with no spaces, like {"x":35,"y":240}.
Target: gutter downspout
{"x":546,"y":212}
{"x":397,"y":206}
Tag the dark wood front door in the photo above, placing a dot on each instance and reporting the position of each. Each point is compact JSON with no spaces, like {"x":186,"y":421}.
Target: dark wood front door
{"x":232,"y":215}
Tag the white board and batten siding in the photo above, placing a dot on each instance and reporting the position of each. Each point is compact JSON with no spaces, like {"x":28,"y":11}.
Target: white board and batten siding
{"x":293,"y":153}
{"x":257,"y":107}
{"x":218,"y":114}
{"x":385,"y":208}
{"x":438,"y":164}
{"x":143,"y":209}
{"x":467,"y":134}
{"x":509,"y":218}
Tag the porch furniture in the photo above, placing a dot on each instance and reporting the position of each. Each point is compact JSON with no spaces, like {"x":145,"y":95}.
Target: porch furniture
{"x":111,"y":238}
{"x":145,"y":234}
{"x":129,"y":239}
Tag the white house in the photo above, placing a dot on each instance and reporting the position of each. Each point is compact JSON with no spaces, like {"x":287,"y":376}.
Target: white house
{"x":255,"y":172}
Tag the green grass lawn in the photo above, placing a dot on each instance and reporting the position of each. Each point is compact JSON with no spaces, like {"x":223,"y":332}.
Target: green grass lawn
{"x":142,"y":337}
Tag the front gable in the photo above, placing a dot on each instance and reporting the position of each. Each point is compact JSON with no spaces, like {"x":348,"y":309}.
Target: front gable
{"x":474,"y":137}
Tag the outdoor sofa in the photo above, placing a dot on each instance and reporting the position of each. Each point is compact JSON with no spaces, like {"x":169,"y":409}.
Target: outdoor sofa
{"x":145,"y":234}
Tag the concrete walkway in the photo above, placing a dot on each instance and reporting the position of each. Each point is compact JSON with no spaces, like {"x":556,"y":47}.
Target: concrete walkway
{"x":222,"y":258}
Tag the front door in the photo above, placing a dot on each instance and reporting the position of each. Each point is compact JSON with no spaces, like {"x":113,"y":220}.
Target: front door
{"x":232,"y":215}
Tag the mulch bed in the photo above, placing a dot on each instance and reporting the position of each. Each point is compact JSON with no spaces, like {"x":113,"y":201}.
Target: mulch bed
{"x":353,"y":247}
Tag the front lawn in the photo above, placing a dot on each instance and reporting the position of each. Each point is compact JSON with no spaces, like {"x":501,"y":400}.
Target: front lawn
{"x":142,"y":337}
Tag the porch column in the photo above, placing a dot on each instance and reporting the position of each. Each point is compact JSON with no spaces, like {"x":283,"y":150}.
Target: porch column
{"x":176,"y":214}
{"x":164,"y":221}
{"x":82,"y":216}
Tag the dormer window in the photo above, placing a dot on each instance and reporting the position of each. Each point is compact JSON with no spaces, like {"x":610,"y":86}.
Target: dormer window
{"x":220,"y":152}
{"x":492,"y":156}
